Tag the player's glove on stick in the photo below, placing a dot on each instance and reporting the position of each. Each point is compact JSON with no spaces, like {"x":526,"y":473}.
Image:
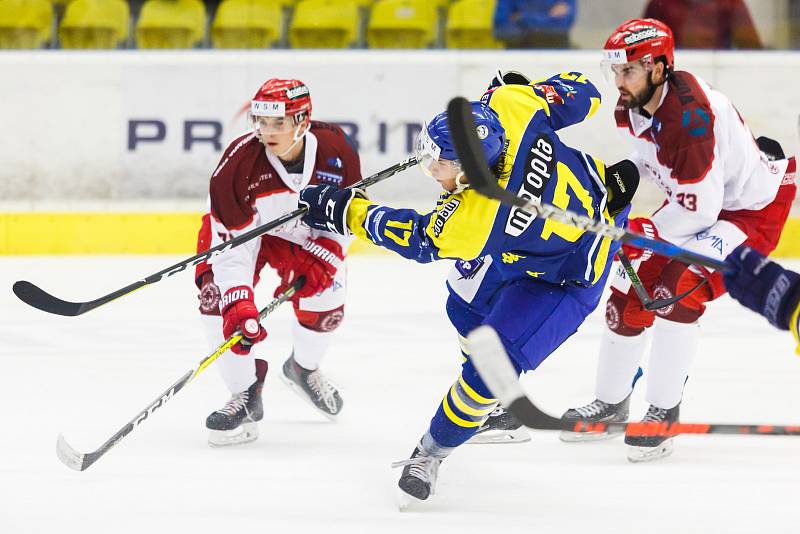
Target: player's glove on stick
{"x":327,"y":207}
{"x":239,"y":311}
{"x":763,"y":286}
{"x":644,"y":226}
{"x":316,"y":259}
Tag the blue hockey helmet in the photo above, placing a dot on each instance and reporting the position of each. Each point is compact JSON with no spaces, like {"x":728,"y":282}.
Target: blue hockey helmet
{"x":434,"y":141}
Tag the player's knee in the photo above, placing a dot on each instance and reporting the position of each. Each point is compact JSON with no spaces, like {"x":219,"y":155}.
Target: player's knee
{"x":209,"y":295}
{"x":626,"y":317}
{"x":325,"y":321}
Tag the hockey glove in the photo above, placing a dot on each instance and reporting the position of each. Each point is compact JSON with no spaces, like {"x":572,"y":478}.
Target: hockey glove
{"x":317,"y":260}
{"x":239,"y":311}
{"x":645,"y":227}
{"x":511,"y":77}
{"x":763,"y":286}
{"x":327,"y":207}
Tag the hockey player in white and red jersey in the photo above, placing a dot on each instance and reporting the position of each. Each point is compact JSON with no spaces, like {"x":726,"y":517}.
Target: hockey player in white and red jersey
{"x":723,"y":189}
{"x":258,"y":179}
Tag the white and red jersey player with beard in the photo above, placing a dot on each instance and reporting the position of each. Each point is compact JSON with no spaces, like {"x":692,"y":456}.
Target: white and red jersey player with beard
{"x":258,"y":180}
{"x":722,"y":188}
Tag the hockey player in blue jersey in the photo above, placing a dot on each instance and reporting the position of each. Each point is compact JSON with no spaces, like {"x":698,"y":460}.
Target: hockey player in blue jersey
{"x":533,"y":280}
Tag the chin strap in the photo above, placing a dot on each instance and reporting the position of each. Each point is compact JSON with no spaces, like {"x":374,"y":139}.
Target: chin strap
{"x":460,"y":186}
{"x":296,"y":138}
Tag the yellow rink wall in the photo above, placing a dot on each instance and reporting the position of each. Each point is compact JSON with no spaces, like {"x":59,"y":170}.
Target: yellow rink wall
{"x":38,"y":233}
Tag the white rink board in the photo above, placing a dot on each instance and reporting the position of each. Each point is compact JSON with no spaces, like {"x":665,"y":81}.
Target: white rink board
{"x":67,"y":115}
{"x":395,"y":356}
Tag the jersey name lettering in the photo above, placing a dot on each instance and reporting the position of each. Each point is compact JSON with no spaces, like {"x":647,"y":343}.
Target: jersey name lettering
{"x":539,"y":166}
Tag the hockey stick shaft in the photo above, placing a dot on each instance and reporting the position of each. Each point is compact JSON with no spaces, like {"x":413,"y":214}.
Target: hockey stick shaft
{"x":495,"y":368}
{"x":81,"y":461}
{"x":36,"y":297}
{"x":470,"y":154}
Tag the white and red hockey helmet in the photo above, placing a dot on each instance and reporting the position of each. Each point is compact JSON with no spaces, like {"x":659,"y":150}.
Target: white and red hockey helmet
{"x":640,"y":40}
{"x":282,"y":98}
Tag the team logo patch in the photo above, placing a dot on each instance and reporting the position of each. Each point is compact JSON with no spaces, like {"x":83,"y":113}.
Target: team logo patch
{"x":209,"y":299}
{"x":444,"y":214}
{"x":469,"y":268}
{"x":483,"y":131}
{"x":331,"y":321}
{"x":663,"y":292}
{"x":612,"y":316}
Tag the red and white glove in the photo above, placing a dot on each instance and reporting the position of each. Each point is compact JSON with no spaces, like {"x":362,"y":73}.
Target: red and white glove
{"x":239,"y":311}
{"x":645,"y":227}
{"x":317,"y":260}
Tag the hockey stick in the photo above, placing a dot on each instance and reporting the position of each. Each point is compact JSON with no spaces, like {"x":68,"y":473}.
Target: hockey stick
{"x":81,"y":461}
{"x":495,"y":368}
{"x":38,"y":298}
{"x":473,"y":161}
{"x":649,"y":303}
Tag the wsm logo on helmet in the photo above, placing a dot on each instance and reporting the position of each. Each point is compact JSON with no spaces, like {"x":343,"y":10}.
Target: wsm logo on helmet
{"x":483,"y":131}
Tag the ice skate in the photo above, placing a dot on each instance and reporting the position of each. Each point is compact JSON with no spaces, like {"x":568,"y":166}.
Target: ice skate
{"x":313,"y":387}
{"x":596,"y":411}
{"x":418,"y":480}
{"x":235,"y":422}
{"x":500,"y":427}
{"x":649,"y":448}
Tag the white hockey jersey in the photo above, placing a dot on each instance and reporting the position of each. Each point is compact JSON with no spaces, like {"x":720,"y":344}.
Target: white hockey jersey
{"x":699,"y":151}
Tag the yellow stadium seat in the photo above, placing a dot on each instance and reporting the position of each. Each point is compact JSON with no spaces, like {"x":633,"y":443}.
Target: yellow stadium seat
{"x":171,"y":24}
{"x":247,"y":24}
{"x":402,"y":24}
{"x":324,"y":24}
{"x":25,"y":23}
{"x":470,"y":24}
{"x":94,"y":24}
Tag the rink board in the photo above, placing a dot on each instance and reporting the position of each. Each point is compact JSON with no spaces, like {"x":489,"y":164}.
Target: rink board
{"x":34,"y":233}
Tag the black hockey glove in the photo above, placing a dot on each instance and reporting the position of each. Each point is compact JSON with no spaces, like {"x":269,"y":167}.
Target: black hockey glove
{"x":327,"y":207}
{"x":511,"y":77}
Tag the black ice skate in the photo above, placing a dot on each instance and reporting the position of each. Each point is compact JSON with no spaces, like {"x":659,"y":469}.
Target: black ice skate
{"x":648,"y":448}
{"x":236,"y":422}
{"x":500,"y":427}
{"x":596,"y":411}
{"x":313,"y":387}
{"x":418,"y":480}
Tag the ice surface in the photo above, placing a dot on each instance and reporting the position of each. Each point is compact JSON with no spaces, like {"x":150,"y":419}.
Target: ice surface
{"x":395,"y":357}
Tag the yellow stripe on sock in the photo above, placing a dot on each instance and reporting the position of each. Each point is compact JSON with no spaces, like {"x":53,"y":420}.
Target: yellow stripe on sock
{"x":473,"y":394}
{"x":456,"y":419}
{"x":466,"y":408}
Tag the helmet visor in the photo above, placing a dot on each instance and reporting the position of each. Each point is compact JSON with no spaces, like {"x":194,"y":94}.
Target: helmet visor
{"x":271,"y":125}
{"x":616,"y":67}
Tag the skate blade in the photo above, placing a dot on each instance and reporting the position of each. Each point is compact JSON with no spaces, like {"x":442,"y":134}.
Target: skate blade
{"x":406,"y":502}
{"x":300,"y":393}
{"x":244,"y":433}
{"x":584,"y":437}
{"x":648,"y":454}
{"x":520,"y":435}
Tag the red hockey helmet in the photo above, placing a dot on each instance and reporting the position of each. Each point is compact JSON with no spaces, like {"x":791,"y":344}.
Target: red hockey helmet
{"x":640,"y":39}
{"x":282,"y":98}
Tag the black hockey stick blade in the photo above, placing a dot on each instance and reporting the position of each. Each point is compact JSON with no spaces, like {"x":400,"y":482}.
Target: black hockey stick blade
{"x":476,"y":168}
{"x":81,"y":461}
{"x":494,"y":367}
{"x":34,"y":296}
